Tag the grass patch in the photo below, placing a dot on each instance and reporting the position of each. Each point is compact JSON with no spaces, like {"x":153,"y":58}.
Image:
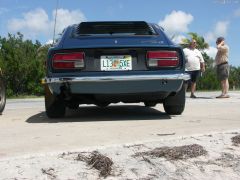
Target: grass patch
{"x":25,"y":97}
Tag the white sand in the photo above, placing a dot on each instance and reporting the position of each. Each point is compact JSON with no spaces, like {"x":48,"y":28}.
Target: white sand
{"x":221,"y":162}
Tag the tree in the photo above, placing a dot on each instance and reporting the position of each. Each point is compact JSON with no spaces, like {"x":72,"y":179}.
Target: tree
{"x":201,"y":44}
{"x":21,"y":66}
{"x":234,"y":78}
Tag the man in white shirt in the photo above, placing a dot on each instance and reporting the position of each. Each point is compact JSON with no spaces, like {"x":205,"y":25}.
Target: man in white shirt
{"x":194,"y":64}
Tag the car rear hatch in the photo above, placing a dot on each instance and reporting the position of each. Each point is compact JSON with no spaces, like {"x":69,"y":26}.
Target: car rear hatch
{"x":119,"y":47}
{"x":114,"y":34}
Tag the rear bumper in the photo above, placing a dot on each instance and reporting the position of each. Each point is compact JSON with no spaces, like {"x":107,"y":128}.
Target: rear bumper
{"x":118,"y":84}
{"x":182,"y":76}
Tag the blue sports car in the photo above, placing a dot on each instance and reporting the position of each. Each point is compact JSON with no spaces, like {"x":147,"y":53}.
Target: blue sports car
{"x":114,"y":61}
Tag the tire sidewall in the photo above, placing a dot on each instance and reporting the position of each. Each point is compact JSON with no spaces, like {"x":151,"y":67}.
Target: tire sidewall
{"x":175,"y":105}
{"x":2,"y":94}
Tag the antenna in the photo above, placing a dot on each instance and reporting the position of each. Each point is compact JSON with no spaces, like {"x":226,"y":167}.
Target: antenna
{"x":55,"y":22}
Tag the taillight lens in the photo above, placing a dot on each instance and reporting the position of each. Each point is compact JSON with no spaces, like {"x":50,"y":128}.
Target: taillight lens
{"x":162,"y":58}
{"x":73,"y":60}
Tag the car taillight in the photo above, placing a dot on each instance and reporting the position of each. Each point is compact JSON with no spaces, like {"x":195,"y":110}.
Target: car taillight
{"x":162,"y":58}
{"x":73,"y":60}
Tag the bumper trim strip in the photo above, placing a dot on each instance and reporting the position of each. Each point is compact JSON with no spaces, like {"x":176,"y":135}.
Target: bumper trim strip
{"x":182,"y":76}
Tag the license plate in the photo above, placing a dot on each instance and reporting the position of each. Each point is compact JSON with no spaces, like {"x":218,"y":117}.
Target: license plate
{"x":116,"y":63}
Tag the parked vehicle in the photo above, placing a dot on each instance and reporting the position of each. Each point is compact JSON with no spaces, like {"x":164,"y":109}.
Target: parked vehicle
{"x":109,"y":62}
{"x":2,"y":93}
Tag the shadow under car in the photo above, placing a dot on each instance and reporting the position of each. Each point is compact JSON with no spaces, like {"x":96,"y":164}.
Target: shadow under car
{"x":110,"y":113}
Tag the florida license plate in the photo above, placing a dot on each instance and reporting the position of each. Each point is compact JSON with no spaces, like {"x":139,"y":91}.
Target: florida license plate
{"x":116,"y":63}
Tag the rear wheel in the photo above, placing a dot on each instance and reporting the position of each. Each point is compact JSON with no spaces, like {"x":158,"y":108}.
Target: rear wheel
{"x":73,"y":106}
{"x":55,"y":107}
{"x":174,"y":105}
{"x":2,"y":95}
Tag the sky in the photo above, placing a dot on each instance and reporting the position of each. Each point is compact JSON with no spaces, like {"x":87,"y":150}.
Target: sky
{"x":208,"y":18}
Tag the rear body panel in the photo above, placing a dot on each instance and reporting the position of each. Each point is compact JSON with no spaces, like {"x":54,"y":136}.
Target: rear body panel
{"x":91,"y":83}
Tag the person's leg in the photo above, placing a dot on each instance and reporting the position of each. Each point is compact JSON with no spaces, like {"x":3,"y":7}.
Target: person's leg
{"x":225,"y":86}
{"x":225,"y":74}
{"x":222,"y":73}
{"x":223,"y":91}
{"x":193,"y":88}
{"x":219,"y":76}
{"x":195,"y":75}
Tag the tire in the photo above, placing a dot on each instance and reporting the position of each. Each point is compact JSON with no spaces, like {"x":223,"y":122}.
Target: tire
{"x":174,"y":105}
{"x":174,"y":110}
{"x":73,"y":106}
{"x":150,"y":104}
{"x":2,"y":95}
{"x":54,"y":105}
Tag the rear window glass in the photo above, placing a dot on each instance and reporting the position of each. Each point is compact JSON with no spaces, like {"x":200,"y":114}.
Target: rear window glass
{"x":114,"y":28}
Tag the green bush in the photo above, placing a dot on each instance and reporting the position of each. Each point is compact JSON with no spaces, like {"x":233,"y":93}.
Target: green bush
{"x":22,"y":63}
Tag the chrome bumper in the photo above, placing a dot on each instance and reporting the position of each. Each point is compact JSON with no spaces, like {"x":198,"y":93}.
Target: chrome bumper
{"x":181,"y":76}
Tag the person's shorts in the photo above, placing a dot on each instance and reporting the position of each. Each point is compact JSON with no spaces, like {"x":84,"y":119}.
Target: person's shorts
{"x":193,"y":75}
{"x":222,"y":71}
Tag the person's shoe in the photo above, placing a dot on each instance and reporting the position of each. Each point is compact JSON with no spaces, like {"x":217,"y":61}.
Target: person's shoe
{"x":223,"y":96}
{"x":226,"y":96}
{"x":193,"y":96}
{"x":220,"y":96}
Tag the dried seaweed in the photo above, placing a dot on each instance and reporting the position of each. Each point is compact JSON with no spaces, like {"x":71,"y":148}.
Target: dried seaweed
{"x":98,"y":161}
{"x":50,"y":173}
{"x":175,"y":153}
{"x":236,"y":140}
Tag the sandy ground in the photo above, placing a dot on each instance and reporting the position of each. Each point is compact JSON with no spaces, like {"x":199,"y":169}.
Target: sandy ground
{"x":122,"y":141}
{"x":25,"y":129}
{"x":131,"y":161}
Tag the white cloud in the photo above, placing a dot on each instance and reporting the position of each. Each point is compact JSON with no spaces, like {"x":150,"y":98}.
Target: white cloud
{"x":176,"y":22}
{"x":211,"y":51}
{"x":178,"y":39}
{"x":210,"y":37}
{"x":66,"y":17}
{"x":237,"y":13}
{"x":220,"y":29}
{"x":37,"y":22}
{"x":50,"y":41}
{"x":34,"y":22}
